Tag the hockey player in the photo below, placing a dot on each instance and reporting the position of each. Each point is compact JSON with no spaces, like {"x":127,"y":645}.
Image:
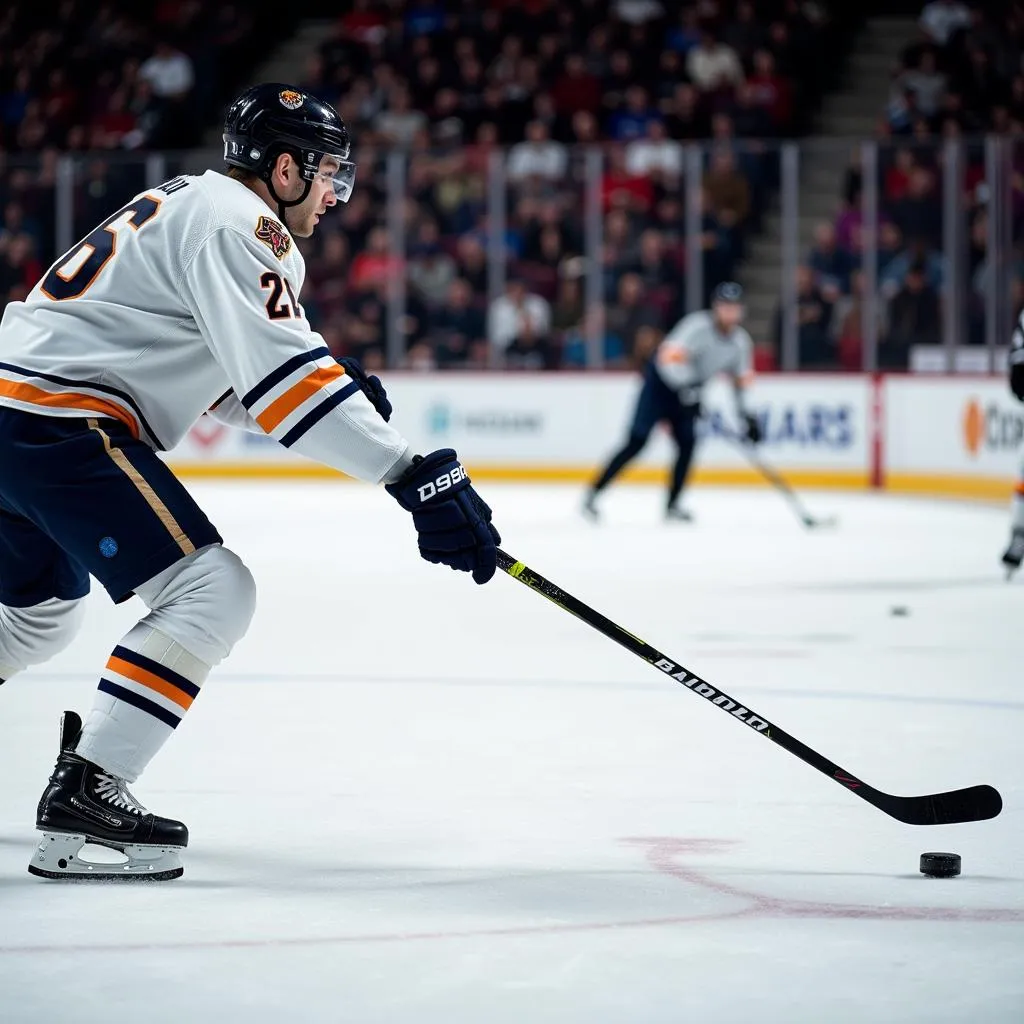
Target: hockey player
{"x":700,"y":346}
{"x":1014,"y":553}
{"x":186,"y":300}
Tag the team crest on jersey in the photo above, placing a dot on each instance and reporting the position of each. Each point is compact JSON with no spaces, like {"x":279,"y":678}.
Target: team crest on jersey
{"x":290,"y":98}
{"x":273,"y":236}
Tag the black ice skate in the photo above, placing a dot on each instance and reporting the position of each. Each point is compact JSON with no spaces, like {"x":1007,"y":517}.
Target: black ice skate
{"x":1014,"y":554}
{"x":589,"y":508}
{"x":83,"y":805}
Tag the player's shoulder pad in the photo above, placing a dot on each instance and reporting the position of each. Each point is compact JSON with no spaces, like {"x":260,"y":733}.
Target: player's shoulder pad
{"x":241,"y":210}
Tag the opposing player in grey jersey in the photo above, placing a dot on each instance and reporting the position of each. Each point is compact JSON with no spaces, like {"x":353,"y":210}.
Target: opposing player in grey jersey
{"x":701,"y":346}
{"x":1014,"y":553}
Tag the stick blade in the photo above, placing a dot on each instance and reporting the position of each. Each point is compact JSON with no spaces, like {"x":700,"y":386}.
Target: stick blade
{"x":976,"y":803}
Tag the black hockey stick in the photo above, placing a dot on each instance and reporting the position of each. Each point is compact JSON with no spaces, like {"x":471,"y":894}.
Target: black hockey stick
{"x":974,"y":804}
{"x":779,"y":483}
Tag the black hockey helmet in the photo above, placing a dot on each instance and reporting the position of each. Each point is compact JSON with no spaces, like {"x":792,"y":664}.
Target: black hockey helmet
{"x":727,"y":291}
{"x":273,"y":118}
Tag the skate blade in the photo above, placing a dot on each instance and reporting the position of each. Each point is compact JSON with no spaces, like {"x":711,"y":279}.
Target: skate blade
{"x":59,"y":855}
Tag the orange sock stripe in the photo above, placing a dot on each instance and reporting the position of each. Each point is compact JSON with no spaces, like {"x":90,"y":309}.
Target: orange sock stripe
{"x":154,"y":682}
{"x":282,"y":407}
{"x":23,"y":392}
{"x":1019,"y":489}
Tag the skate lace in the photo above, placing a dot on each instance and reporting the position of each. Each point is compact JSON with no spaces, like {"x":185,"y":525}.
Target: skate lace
{"x":114,"y":791}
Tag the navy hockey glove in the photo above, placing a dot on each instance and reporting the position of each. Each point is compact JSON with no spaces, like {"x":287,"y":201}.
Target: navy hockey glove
{"x":1017,"y":363}
{"x":369,"y":385}
{"x":453,"y":521}
{"x":753,"y":428}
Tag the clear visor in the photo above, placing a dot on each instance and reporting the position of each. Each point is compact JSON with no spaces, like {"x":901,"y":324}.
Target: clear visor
{"x":342,"y":179}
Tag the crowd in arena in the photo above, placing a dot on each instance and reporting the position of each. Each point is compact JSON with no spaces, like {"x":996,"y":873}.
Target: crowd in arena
{"x":961,"y":79}
{"x":448,"y":85}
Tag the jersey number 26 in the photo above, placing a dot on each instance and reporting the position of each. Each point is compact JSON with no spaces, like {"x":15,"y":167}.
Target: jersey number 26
{"x":74,"y":272}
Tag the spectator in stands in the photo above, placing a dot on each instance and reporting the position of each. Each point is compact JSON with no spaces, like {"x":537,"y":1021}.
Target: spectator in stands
{"x":399,"y":123}
{"x":431,"y":269}
{"x":577,"y":343}
{"x":728,"y":190}
{"x":538,"y":156}
{"x":657,"y":270}
{"x":916,"y":253}
{"x":771,"y":92}
{"x":926,"y":82}
{"x":169,"y":71}
{"x":914,"y":319}
{"x":576,"y":88}
{"x":746,"y":32}
{"x":686,"y":115}
{"x":848,"y":325}
{"x":631,"y":311}
{"x":832,"y":266}
{"x":712,"y":66}
{"x":655,"y":155}
{"x":170,"y":75}
{"x":19,"y":268}
{"x":816,"y":346}
{"x":941,"y":18}
{"x":686,"y":35}
{"x":14,"y":103}
{"x":112,"y":128}
{"x":518,"y":313}
{"x":568,"y":306}
{"x":890,"y":245}
{"x":632,"y":119}
{"x":623,"y":190}
{"x":327,"y":276}
{"x":375,"y":264}
{"x":918,"y":214}
{"x":457,"y":330}
{"x":471,"y":262}
{"x":751,"y":120}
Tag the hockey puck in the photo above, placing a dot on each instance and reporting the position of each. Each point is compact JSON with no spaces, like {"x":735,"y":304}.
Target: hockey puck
{"x":899,"y":609}
{"x":940,"y":865}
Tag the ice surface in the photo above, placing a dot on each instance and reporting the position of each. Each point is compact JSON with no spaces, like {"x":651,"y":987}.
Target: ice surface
{"x":413,"y":799}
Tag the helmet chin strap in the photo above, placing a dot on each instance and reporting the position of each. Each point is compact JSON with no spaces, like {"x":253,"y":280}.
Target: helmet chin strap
{"x":283,"y":204}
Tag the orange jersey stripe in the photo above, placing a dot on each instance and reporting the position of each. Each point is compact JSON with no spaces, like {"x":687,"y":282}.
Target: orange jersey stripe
{"x":282,"y":407}
{"x":23,"y":392}
{"x":154,"y":682}
{"x":672,"y":355}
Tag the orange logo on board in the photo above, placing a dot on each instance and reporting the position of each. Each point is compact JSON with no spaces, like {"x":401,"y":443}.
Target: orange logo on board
{"x":974,"y":426}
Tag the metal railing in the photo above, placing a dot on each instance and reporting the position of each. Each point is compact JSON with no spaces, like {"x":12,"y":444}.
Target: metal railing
{"x":928,"y":272}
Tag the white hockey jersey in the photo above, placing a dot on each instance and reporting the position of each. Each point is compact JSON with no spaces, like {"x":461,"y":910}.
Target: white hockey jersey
{"x":186,"y":301}
{"x":694,"y":351}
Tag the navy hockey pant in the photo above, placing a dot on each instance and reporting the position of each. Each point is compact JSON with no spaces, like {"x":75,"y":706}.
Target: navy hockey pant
{"x":657,"y":403}
{"x":81,"y":497}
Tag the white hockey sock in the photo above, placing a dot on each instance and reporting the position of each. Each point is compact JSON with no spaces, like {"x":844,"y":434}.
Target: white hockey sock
{"x":1017,"y":508}
{"x":149,"y":683}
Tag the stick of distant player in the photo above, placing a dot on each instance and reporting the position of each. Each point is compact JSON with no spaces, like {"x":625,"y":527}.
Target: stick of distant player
{"x":973,"y":804}
{"x":778,"y":482}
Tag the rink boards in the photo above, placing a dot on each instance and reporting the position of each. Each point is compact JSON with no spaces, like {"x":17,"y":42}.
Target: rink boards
{"x":957,"y":436}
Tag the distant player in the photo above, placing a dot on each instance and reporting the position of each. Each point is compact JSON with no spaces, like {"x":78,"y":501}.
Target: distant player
{"x":1014,"y":554}
{"x":183,"y":301}
{"x":698,"y":348}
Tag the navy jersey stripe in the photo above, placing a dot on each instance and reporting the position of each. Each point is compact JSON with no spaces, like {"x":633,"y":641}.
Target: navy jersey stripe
{"x":92,"y":386}
{"x":161,"y":671}
{"x":315,"y":415}
{"x":289,"y":366}
{"x":140,"y":702}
